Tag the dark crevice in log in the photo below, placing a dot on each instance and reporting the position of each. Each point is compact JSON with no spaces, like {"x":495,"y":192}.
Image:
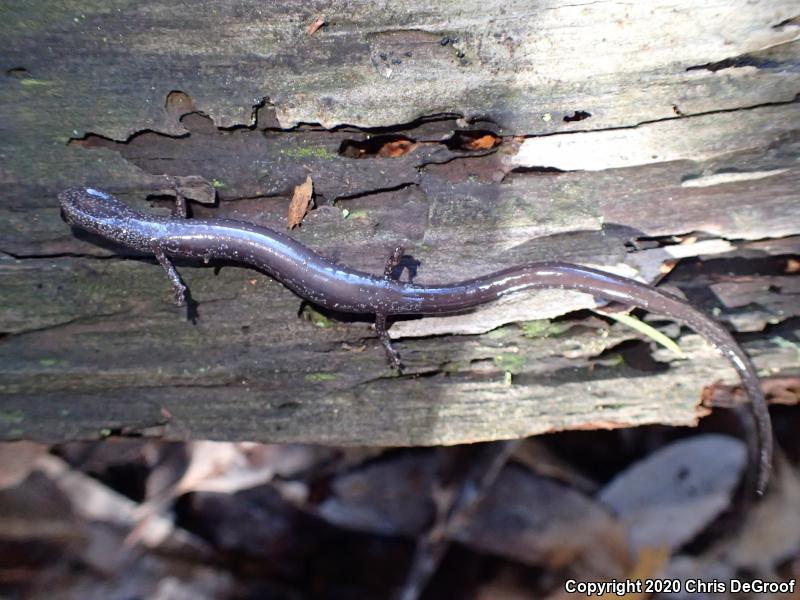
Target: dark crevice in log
{"x":374,"y":192}
{"x":578,"y":115}
{"x":537,"y":170}
{"x":721,"y":111}
{"x":744,"y":60}
{"x":380,"y":146}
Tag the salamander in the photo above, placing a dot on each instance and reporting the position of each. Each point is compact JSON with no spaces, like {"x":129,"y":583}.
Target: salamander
{"x":339,"y":288}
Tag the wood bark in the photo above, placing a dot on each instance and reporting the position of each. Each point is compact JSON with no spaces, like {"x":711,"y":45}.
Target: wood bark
{"x":632,"y":137}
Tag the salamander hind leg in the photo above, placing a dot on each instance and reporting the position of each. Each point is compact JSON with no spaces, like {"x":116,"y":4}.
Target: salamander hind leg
{"x":177,"y":285}
{"x":383,"y":336}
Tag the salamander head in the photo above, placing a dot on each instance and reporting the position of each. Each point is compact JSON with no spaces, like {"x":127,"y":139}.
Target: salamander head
{"x":86,"y":207}
{"x":101,"y":213}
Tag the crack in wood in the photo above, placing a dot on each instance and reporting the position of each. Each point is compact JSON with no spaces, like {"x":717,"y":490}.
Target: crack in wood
{"x":262,"y":159}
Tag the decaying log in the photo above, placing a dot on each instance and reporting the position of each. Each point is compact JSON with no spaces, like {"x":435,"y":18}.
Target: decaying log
{"x":631,"y":137}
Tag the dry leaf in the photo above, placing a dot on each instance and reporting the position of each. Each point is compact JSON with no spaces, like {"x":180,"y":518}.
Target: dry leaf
{"x":396,"y":148}
{"x":484,"y":142}
{"x":17,"y":459}
{"x":228,"y":467}
{"x":93,"y":501}
{"x":649,"y":564}
{"x":298,"y":207}
{"x":315,"y":25}
{"x":540,"y":459}
{"x":670,"y":496}
{"x":537,"y":521}
{"x":667,"y":266}
{"x":695,"y":569}
{"x":370,"y":499}
{"x":505,"y":583}
{"x":771,"y":533}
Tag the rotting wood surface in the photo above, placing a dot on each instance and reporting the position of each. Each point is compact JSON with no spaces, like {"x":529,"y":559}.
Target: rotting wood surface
{"x":622,"y":136}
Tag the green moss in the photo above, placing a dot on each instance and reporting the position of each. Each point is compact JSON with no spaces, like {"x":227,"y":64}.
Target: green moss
{"x":217,"y":184}
{"x":510,"y":362}
{"x":322,"y":153}
{"x":357,"y":214}
{"x":320,"y":377}
{"x":498,"y":333}
{"x":614,"y":360}
{"x":48,"y":362}
{"x":317,"y":318}
{"x":105,"y":432}
{"x":11,"y":417}
{"x":541,"y":328}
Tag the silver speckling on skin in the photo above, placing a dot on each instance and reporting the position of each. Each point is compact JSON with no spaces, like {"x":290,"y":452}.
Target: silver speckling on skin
{"x":347,"y":290}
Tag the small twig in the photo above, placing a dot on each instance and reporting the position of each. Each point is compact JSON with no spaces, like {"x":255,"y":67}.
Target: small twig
{"x":456,"y":503}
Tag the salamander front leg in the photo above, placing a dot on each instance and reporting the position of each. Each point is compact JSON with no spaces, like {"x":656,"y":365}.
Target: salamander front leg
{"x":177,"y":284}
{"x":383,"y":335}
{"x":393,"y":262}
{"x":179,"y":210}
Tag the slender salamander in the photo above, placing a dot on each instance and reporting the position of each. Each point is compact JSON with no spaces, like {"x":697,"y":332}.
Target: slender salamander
{"x":339,"y":288}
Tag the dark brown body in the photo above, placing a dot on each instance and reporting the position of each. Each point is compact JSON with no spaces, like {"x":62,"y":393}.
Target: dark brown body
{"x":339,"y":288}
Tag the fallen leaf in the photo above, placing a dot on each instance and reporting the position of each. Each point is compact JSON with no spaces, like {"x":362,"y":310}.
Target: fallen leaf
{"x":396,"y":148}
{"x":770,"y":534}
{"x":17,"y":460}
{"x":670,"y":496}
{"x":301,"y":199}
{"x":369,"y":498}
{"x":504,"y":583}
{"x":226,"y":467}
{"x":540,"y":459}
{"x":667,"y":266}
{"x":649,"y":564}
{"x":696,"y":569}
{"x":537,"y":521}
{"x":315,"y":25}
{"x":484,"y":142}
{"x":93,"y":501}
{"x":256,"y":522}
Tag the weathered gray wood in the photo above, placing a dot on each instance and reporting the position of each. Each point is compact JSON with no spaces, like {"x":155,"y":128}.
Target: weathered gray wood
{"x":672,"y":120}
